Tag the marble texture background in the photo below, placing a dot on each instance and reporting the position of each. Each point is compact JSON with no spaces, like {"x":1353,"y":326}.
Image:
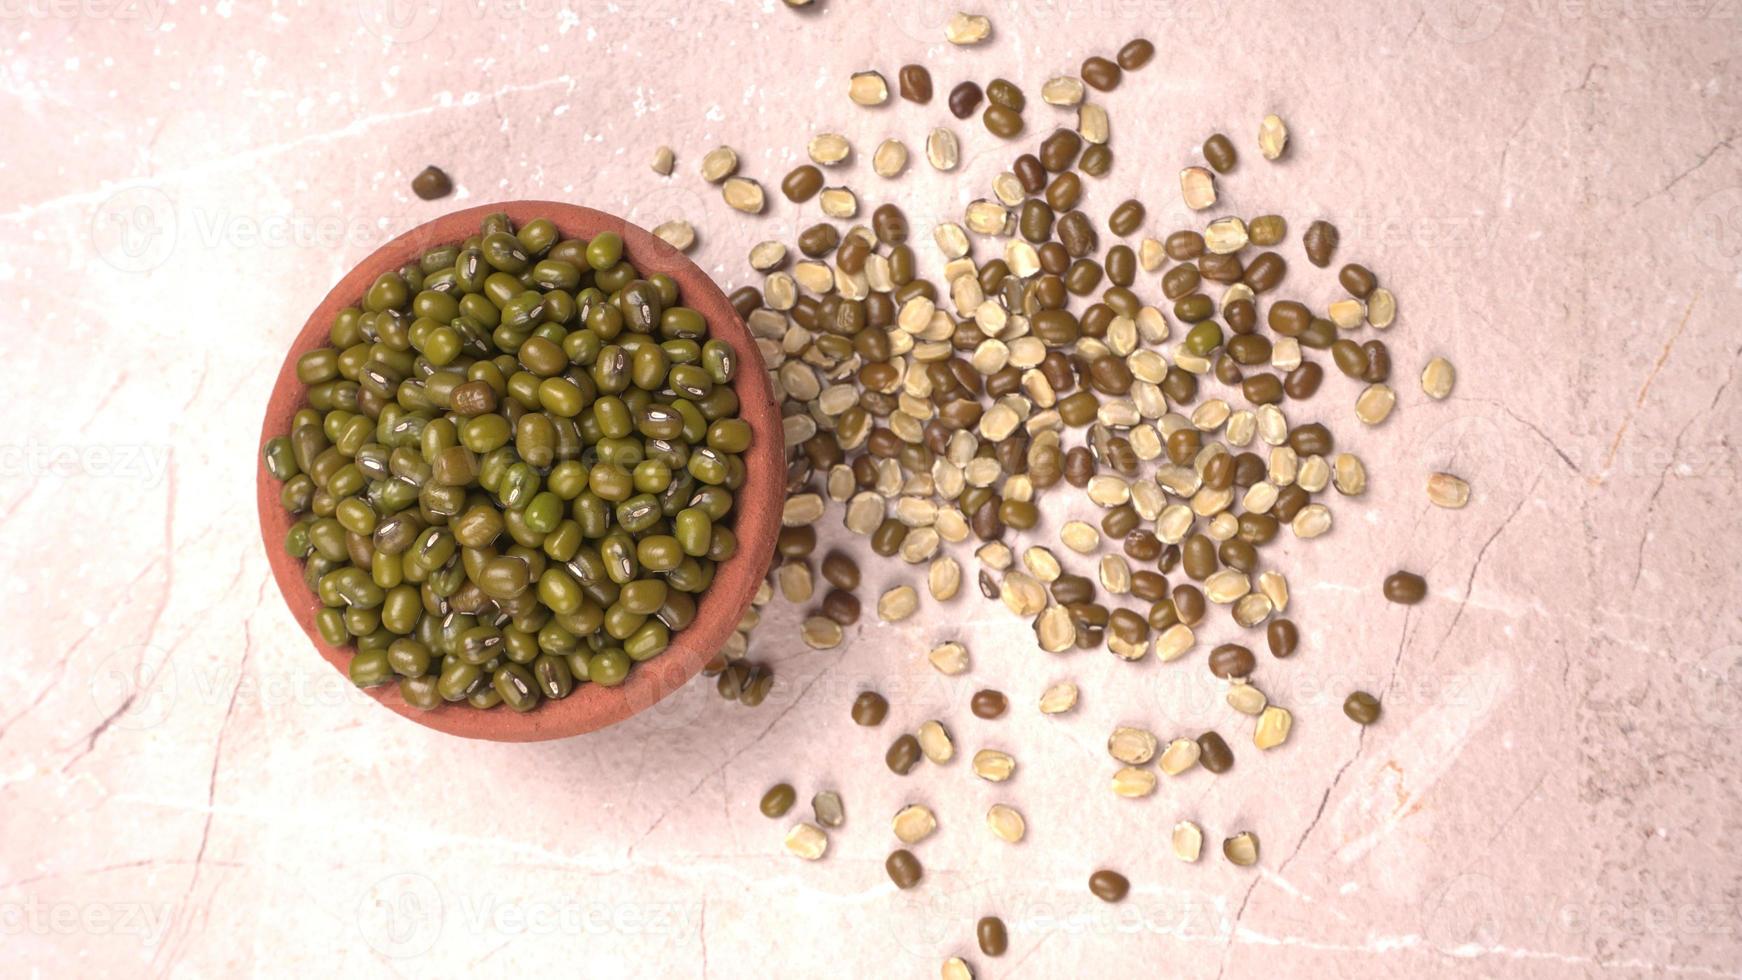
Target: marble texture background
{"x":1553,"y":189}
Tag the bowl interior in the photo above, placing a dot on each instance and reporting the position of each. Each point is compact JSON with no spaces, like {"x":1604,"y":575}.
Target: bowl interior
{"x":756,"y":511}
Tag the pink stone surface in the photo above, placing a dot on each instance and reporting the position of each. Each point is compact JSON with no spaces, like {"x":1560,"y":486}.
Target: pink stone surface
{"x":1552,"y":189}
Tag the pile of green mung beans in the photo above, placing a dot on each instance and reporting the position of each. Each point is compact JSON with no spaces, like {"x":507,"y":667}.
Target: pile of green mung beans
{"x":515,"y":470}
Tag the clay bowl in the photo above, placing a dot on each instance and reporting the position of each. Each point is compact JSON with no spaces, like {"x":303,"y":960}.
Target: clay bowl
{"x":756,"y":520}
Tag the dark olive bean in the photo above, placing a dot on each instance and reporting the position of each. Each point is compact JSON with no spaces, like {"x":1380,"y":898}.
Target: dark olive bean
{"x":1320,"y":242}
{"x":1219,"y":151}
{"x":1362,"y":708}
{"x":432,"y":183}
{"x":904,"y":869}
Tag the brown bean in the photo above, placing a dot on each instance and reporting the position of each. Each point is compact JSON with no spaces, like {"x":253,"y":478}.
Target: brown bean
{"x":1183,"y":246}
{"x":1101,"y":74}
{"x":1283,"y":637}
{"x":1002,"y":121}
{"x":1267,"y":230}
{"x":1126,"y":218}
{"x":1262,"y":388}
{"x":1238,"y":555}
{"x":1030,"y":172}
{"x":1079,"y":466}
{"x":1148,"y":586}
{"x":1180,"y":281}
{"x":1242,"y":316}
{"x":1220,"y":268}
{"x":1357,"y":279}
{"x":1249,"y":349}
{"x":1083,"y":278}
{"x":1289,"y":318}
{"x":1135,"y":54}
{"x":1059,"y":150}
{"x":1064,"y":192}
{"x":777,"y":800}
{"x":1320,"y":242}
{"x":802,"y":183}
{"x":795,"y":542}
{"x":1188,"y":604}
{"x":889,"y":224}
{"x":852,"y":254}
{"x":1054,"y":260}
{"x":904,"y":869}
{"x":988,"y":703}
{"x":1378,"y":362}
{"x":1198,"y":557}
{"x":1213,"y":753}
{"x":1002,"y":91}
{"x":1405,"y":588}
{"x":1142,"y":546}
{"x":1096,"y":160}
{"x":1265,"y":272}
{"x":990,"y":933}
{"x":1303,"y":382}
{"x":818,"y":240}
{"x":903,"y":755}
{"x":842,"y":607}
{"x":1231,"y":660}
{"x":1109,"y":886}
{"x":1320,"y":334}
{"x":1350,"y":358}
{"x":1077,"y":234}
{"x":1362,"y":708}
{"x":869,"y":709}
{"x":1289,"y":501}
{"x":1120,"y":521}
{"x":915,"y":83}
{"x":1311,"y":439}
{"x":746,"y":300}
{"x":965,"y":99}
{"x":1034,"y":220}
{"x":1121,"y":265}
